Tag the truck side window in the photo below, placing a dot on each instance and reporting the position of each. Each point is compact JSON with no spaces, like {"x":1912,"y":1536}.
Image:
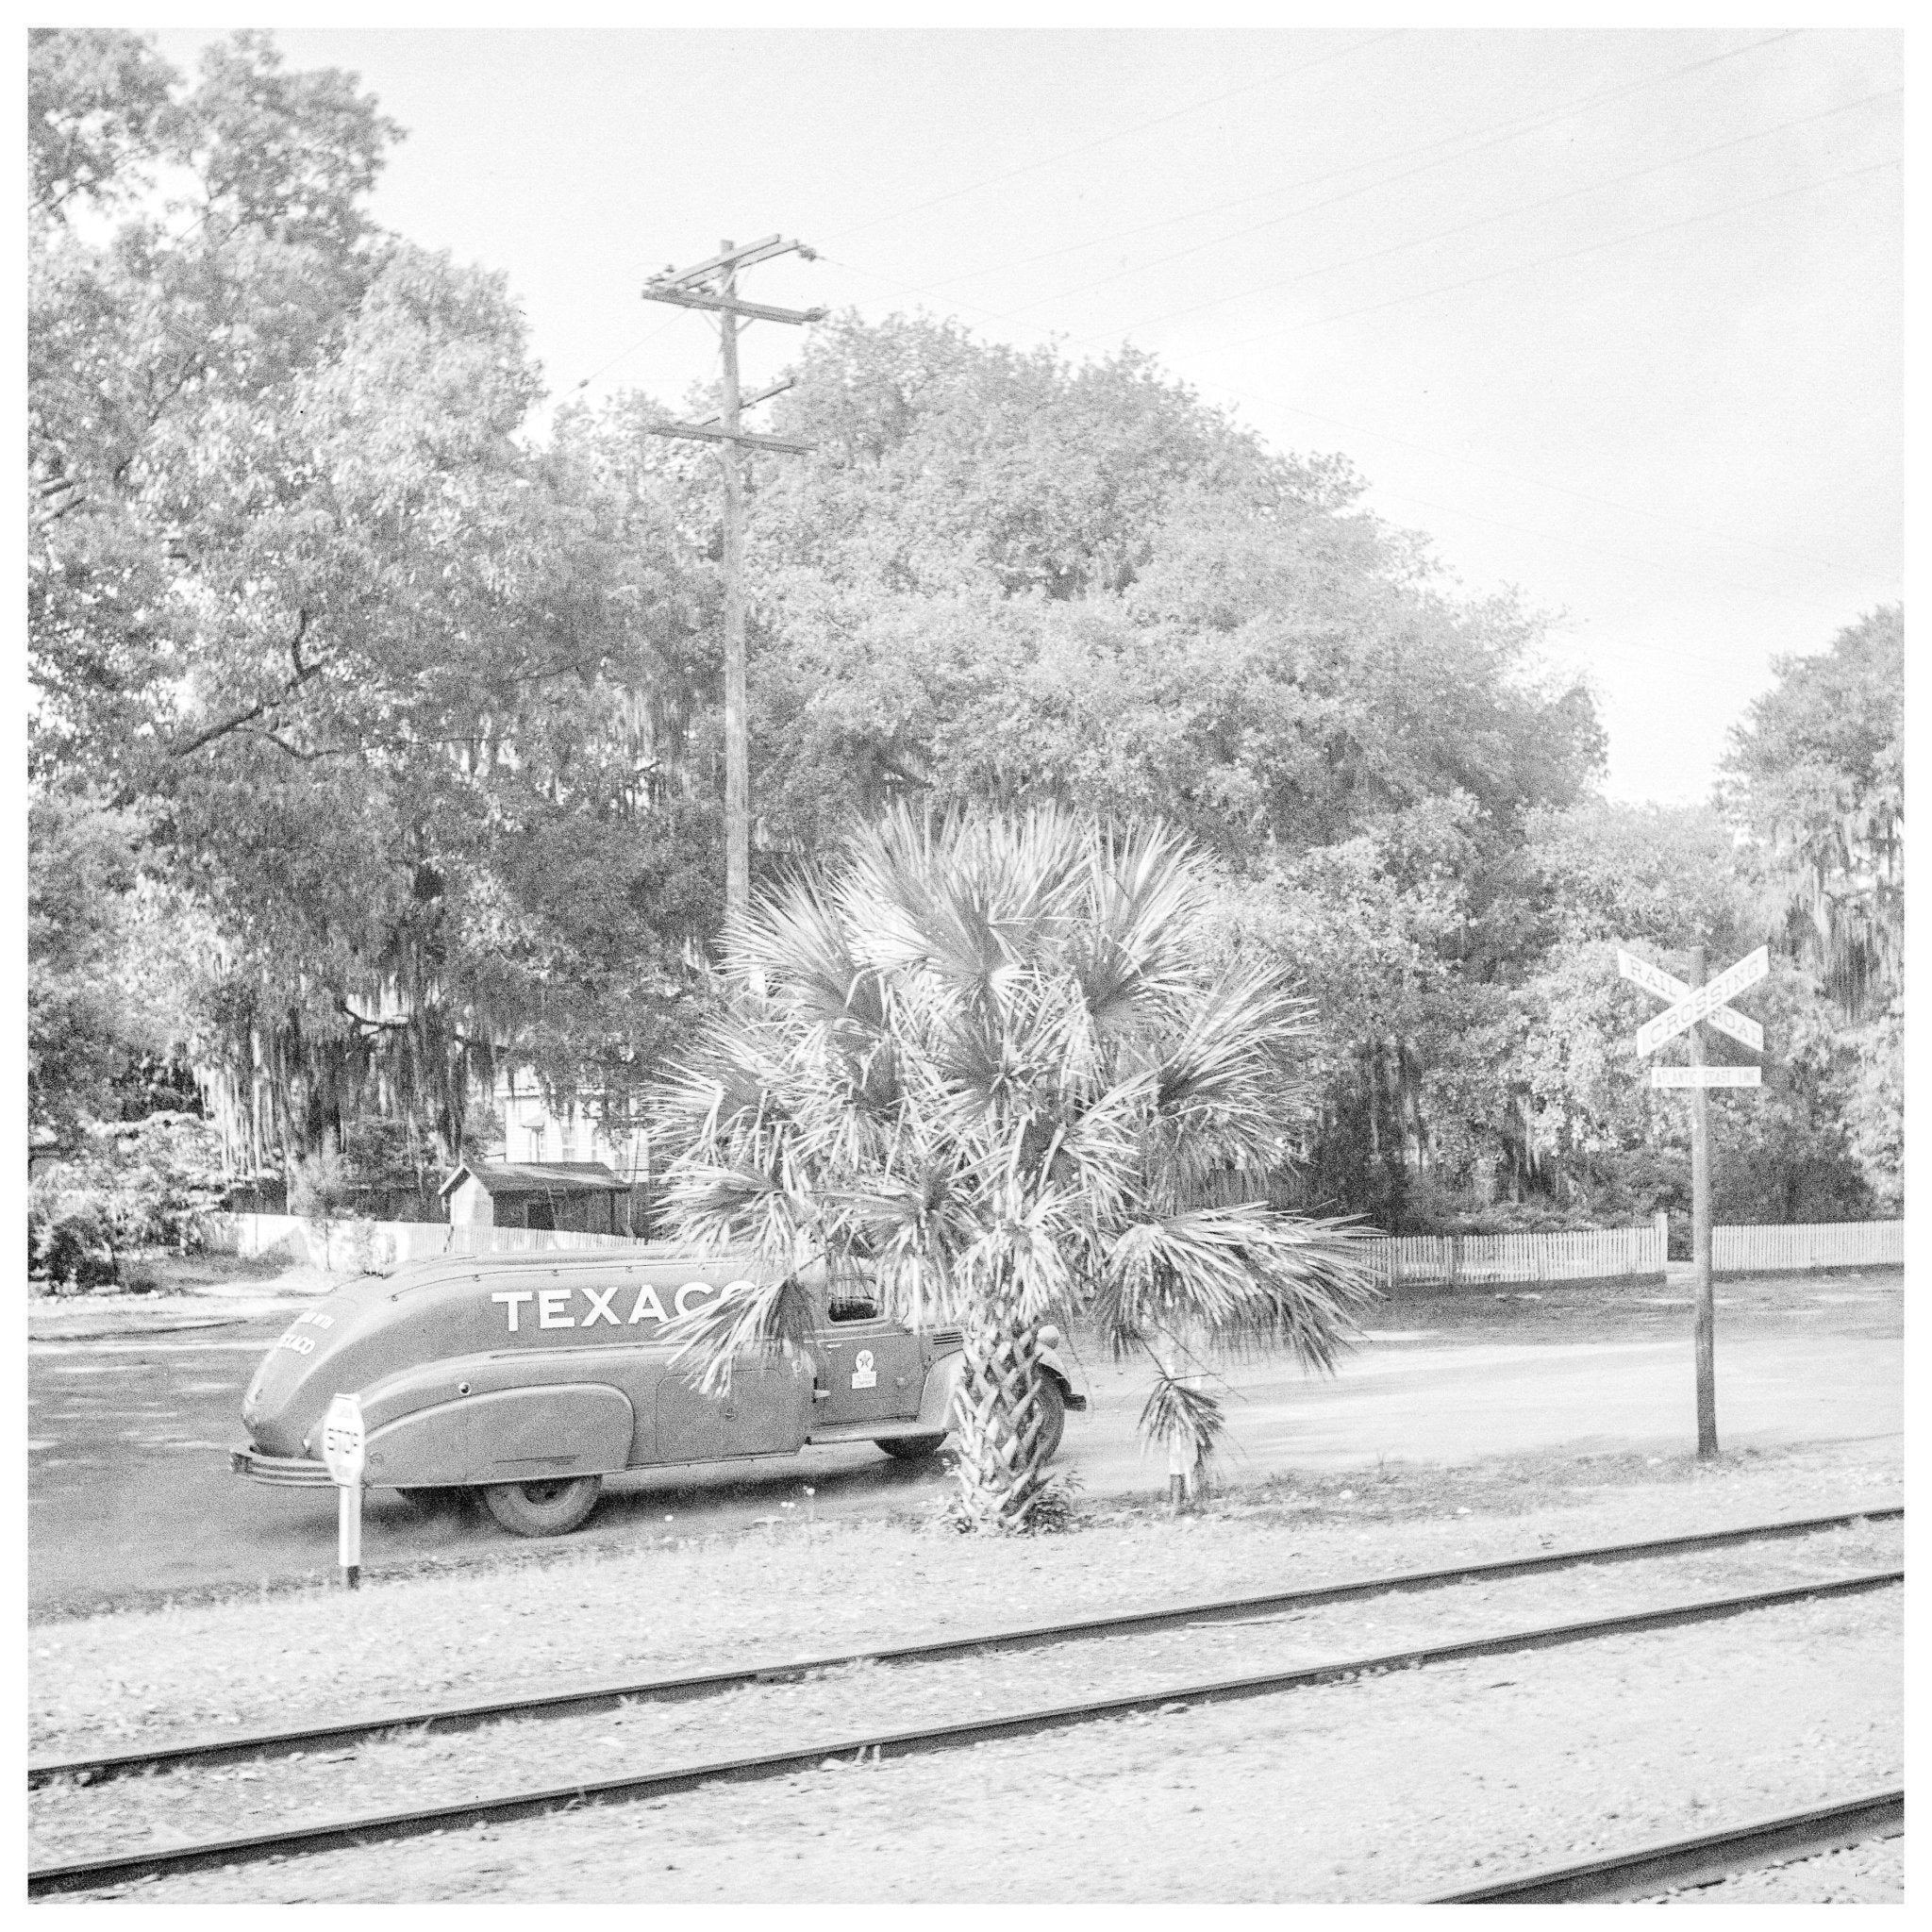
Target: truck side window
{"x":849,"y":1295}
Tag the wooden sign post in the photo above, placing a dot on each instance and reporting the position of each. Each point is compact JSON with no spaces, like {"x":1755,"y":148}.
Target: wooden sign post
{"x":1697,"y":1004}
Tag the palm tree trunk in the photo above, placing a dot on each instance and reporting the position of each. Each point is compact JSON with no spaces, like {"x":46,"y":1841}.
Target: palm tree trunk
{"x":999,"y":1423}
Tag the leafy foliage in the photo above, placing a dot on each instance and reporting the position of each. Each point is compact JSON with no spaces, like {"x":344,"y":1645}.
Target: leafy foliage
{"x":377,"y":740}
{"x":1816,"y":772}
{"x":385,"y":679}
{"x":1815,"y":776}
{"x":143,"y":1184}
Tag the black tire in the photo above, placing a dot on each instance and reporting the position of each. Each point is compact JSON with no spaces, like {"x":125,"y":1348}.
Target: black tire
{"x":1052,"y":1399}
{"x":552,"y":1506}
{"x":911,"y":1448}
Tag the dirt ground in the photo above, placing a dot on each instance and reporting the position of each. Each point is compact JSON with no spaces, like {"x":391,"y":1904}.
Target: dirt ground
{"x":131,"y":1497}
{"x":1392,"y":1786}
{"x":1853,"y":1301}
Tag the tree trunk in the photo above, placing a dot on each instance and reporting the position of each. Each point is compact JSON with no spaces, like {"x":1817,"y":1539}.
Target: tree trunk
{"x":999,"y":1423}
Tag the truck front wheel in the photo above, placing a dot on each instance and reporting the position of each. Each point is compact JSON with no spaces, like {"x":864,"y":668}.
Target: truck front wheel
{"x":550,"y":1507}
{"x":911,"y":1448}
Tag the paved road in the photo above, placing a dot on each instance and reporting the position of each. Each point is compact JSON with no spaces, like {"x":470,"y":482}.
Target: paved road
{"x":129,"y":1490}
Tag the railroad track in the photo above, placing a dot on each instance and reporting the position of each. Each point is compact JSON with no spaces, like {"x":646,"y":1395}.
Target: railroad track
{"x":579,"y":1700}
{"x":116,"y":1865}
{"x":1648,"y":1870}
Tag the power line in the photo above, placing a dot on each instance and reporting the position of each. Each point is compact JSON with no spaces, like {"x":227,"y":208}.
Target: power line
{"x":1650,"y":563}
{"x":1526,"y":267}
{"x":1443,"y":234}
{"x":1536,"y":482}
{"x":1497,"y":136}
{"x":1118,"y":134}
{"x":650,"y":336}
{"x":1603,"y":550}
{"x":1604,"y":502}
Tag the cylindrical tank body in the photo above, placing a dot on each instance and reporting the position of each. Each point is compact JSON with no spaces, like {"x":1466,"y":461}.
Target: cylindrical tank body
{"x":491,"y":1368}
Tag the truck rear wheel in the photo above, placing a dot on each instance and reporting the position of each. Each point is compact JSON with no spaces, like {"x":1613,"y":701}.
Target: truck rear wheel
{"x":910,"y":1448}
{"x":552,"y":1506}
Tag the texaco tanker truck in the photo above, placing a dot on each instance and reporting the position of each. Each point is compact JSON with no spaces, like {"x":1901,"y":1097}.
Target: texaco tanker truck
{"x":529,"y":1378}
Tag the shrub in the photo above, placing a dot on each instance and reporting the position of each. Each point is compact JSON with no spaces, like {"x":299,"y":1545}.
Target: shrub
{"x":136,"y":1183}
{"x":71,"y":1239}
{"x":323,"y":1188}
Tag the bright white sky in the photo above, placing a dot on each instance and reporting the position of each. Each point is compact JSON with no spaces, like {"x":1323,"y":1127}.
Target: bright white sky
{"x":1614,"y":317}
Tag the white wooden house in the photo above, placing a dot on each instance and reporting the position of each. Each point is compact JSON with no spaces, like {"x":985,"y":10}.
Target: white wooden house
{"x":534,"y":1133}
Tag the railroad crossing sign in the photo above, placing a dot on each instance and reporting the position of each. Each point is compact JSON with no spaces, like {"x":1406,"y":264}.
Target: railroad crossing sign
{"x":1696,"y":1003}
{"x":1705,"y":1076}
{"x":1692,"y":1003}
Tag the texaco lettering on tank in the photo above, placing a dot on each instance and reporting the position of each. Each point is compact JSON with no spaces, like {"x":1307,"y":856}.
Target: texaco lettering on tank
{"x":552,"y":1305}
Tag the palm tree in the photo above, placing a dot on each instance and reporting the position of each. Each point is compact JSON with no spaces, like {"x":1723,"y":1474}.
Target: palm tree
{"x":999,"y":1062}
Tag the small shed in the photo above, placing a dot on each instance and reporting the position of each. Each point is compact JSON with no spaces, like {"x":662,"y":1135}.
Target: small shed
{"x":581,"y":1195}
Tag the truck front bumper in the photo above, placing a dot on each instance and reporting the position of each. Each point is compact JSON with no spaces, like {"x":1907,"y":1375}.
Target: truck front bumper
{"x":288,"y":1472}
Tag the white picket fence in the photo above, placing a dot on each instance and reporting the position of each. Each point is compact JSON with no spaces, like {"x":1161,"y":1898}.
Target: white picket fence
{"x":1474,"y":1261}
{"x":1808,"y":1245}
{"x":1395,"y":1263}
{"x":1634,"y":1254}
{"x":368,"y":1247}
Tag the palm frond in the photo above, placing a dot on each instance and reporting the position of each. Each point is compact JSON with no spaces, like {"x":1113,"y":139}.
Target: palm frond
{"x":1233,"y":1054}
{"x":1139,"y":944}
{"x":795,"y":942}
{"x":1245,"y":1275}
{"x":774,"y":1317}
{"x":1177,"y":1415}
{"x":1026,"y":1253}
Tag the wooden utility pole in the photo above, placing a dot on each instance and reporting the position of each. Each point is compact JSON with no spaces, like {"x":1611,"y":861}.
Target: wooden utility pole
{"x":1704,"y":1318}
{"x":737,"y":752}
{"x":713,"y":285}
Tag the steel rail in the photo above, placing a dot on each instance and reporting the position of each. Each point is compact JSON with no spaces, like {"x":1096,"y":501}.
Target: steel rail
{"x":117,"y":1866}
{"x":100,"y":1766}
{"x":1655,"y":1868}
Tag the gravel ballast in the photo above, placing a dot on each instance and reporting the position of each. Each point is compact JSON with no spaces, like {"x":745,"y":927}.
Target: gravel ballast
{"x":407,"y":1769}
{"x":794,"y":1588}
{"x":1389,"y":1788}
{"x":1623,"y":1740}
